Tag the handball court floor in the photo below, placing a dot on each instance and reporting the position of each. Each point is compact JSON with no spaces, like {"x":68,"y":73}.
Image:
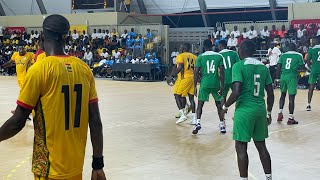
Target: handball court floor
{"x":142,"y":141}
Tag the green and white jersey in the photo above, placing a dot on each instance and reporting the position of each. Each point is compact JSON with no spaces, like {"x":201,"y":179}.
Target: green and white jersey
{"x":209,"y":62}
{"x":314,"y":55}
{"x":290,"y":62}
{"x":230,"y":58}
{"x":254,"y":76}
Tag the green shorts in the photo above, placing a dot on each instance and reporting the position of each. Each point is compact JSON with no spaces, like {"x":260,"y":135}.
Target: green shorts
{"x":250,"y":123}
{"x":313,"y":77}
{"x":205,"y":92}
{"x":290,"y":85}
{"x":226,"y":89}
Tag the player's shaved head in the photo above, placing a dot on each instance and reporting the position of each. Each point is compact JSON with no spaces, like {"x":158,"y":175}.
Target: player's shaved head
{"x":55,"y":27}
{"x":207,"y":44}
{"x":247,"y":49}
{"x":222,"y":45}
{"x":292,"y":47}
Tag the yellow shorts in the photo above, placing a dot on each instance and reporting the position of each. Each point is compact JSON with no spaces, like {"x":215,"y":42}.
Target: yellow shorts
{"x":78,"y":177}
{"x":184,"y":87}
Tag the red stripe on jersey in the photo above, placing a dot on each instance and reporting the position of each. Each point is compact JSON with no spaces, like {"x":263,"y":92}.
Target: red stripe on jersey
{"x":26,"y":106}
{"x":93,"y":101}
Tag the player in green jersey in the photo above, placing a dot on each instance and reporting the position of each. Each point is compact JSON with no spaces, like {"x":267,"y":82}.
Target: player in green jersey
{"x":289,"y":64}
{"x":314,"y":56}
{"x":230,"y":58}
{"x":209,"y":63}
{"x":250,"y":78}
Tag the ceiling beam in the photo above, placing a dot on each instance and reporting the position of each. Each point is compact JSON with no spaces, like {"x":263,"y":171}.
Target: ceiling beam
{"x":203,"y":9}
{"x":142,"y":7}
{"x":2,"y":13}
{"x":41,"y":7}
{"x":273,"y":5}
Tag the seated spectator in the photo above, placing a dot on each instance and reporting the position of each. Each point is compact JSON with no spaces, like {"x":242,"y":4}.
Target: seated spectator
{"x":75,"y":35}
{"x":86,"y":41}
{"x":100,"y":34}
{"x":245,"y":34}
{"x":285,"y":47}
{"x":114,"y":33}
{"x":13,"y":35}
{"x":130,"y":42}
{"x":252,"y":33}
{"x":84,"y":33}
{"x":114,"y":43}
{"x":107,"y":33}
{"x":116,"y":54}
{"x":132,"y":34}
{"x":104,"y":54}
{"x":305,"y":39}
{"x":124,"y":37}
{"x":274,"y":33}
{"x":300,"y":31}
{"x":313,"y":30}
{"x":292,"y":33}
{"x":215,"y":32}
{"x":36,"y":35}
{"x":282,"y":32}
{"x":137,"y":50}
{"x":318,"y":32}
{"x":94,"y":35}
{"x":140,"y":40}
{"x":232,"y":41}
{"x":217,"y":40}
{"x":149,"y":36}
{"x":88,"y":57}
{"x":106,"y":42}
{"x":236,"y":32}
{"x":265,"y":34}
{"x":103,"y":34}
{"x":150,"y":55}
{"x":224,"y":33}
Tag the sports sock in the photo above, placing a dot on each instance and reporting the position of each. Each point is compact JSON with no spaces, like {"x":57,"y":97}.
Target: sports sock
{"x":198,"y":121}
{"x":290,"y":116}
{"x":182,"y":112}
{"x":280,"y":110}
{"x":194,"y":116}
{"x":268,"y":177}
{"x":242,"y":178}
{"x":309,"y":104}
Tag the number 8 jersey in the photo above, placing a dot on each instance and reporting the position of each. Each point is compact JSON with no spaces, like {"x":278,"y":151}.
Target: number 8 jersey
{"x":60,"y":89}
{"x":254,"y":76}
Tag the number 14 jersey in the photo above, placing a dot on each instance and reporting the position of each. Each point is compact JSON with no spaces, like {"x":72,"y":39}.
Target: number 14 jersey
{"x":209,"y":62}
{"x":60,"y":90}
{"x":254,"y":76}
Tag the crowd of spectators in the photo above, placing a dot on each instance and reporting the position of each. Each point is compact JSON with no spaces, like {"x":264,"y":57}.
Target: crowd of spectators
{"x":100,"y":50}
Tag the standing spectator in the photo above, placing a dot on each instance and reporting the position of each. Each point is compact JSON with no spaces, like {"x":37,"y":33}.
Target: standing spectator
{"x":282,"y":32}
{"x":215,"y":32}
{"x":141,"y":40}
{"x":273,"y":33}
{"x":84,"y":33}
{"x":253,"y":33}
{"x":75,"y":35}
{"x":175,"y":53}
{"x":232,"y":41}
{"x":133,"y":34}
{"x":128,"y":4}
{"x":149,"y":36}
{"x":88,"y":57}
{"x":224,"y":33}
{"x":292,"y":33}
{"x":116,"y":54}
{"x":300,"y":31}
{"x":313,"y":30}
{"x":236,"y":32}
{"x":114,"y":33}
{"x":94,"y":35}
{"x":245,"y":34}
{"x":273,"y":54}
{"x":100,"y":34}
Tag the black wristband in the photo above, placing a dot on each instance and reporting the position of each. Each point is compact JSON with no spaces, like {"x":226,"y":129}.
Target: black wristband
{"x":97,"y":163}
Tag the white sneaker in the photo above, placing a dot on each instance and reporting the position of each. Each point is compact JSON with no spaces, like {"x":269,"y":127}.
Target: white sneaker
{"x":193,"y":122}
{"x":222,"y":127}
{"x":181,"y":119}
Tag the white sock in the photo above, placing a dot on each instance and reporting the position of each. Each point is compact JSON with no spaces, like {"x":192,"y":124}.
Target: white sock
{"x":194,"y":116}
{"x":242,"y":178}
{"x":198,"y":121}
{"x":182,"y":112}
{"x":309,"y":104}
{"x":290,"y":116}
{"x":280,"y":110}
{"x":268,"y":177}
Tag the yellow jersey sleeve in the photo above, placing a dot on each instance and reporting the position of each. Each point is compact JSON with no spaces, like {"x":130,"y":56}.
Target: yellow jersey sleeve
{"x":30,"y":92}
{"x":93,"y":97}
{"x":13,"y":57}
{"x":180,"y":59}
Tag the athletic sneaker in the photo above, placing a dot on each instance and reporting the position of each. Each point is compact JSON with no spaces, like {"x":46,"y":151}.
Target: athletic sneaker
{"x":308,"y":108}
{"x":222,"y":127}
{"x":292,"y":122}
{"x":280,"y":117}
{"x":193,"y":122}
{"x":181,"y":119}
{"x":178,"y":115}
{"x":196,"y":129}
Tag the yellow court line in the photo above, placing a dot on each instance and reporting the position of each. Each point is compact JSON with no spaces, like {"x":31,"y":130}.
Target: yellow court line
{"x":17,"y":167}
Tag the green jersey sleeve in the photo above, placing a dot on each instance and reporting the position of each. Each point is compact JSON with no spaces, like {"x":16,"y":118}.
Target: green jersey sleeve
{"x":281,"y":60}
{"x":309,"y":57}
{"x":198,"y":62}
{"x":268,"y":77}
{"x":236,"y":73}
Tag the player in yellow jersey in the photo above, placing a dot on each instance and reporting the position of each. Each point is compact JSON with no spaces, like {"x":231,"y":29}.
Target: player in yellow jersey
{"x":61,"y":89}
{"x":23,"y":61}
{"x":184,"y":85}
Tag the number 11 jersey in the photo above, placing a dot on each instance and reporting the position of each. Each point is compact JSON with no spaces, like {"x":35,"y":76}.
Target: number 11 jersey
{"x":254,"y":76}
{"x":60,"y":89}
